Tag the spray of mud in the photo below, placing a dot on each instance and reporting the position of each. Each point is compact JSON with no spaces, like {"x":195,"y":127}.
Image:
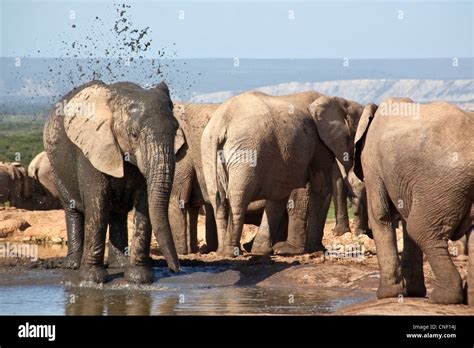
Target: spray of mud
{"x":97,"y":56}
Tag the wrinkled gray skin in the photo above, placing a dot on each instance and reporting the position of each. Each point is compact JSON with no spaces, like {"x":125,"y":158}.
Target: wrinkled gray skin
{"x":275,"y":129}
{"x":16,"y":187}
{"x":40,"y":171}
{"x":189,"y":191}
{"x":111,"y":150}
{"x":421,"y":166}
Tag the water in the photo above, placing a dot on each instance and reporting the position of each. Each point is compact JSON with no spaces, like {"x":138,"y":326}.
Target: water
{"x":195,"y":291}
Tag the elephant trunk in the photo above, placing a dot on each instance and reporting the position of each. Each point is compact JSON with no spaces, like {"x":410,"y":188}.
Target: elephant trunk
{"x":159,"y":175}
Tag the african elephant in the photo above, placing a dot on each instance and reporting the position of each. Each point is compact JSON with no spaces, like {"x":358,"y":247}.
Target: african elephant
{"x":189,"y":193}
{"x":15,"y":186}
{"x":45,"y":189}
{"x":264,"y":147}
{"x":111,"y":150}
{"x":417,"y":160}
{"x":336,"y":120}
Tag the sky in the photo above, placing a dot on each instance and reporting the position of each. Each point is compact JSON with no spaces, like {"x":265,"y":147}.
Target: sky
{"x":245,"y":29}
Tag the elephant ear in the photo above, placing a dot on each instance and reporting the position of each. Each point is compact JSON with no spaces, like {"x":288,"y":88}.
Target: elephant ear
{"x":88,"y":123}
{"x":179,"y":140}
{"x":362,"y":128}
{"x":331,"y":121}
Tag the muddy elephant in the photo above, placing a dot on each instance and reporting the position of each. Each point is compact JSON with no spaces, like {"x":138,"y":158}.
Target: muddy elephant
{"x":264,"y":147}
{"x":15,"y":186}
{"x":46,"y":193}
{"x":189,"y":193}
{"x":417,"y":161}
{"x":111,"y":148}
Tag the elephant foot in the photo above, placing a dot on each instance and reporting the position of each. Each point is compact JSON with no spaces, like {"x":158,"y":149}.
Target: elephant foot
{"x":229,"y":251}
{"x":181,"y":249}
{"x":358,"y":231}
{"x":139,"y":274}
{"x":94,"y":274}
{"x":73,"y":260}
{"x":340,"y":229}
{"x":449,"y":295}
{"x":117,"y":259}
{"x":391,"y":290}
{"x":262,"y":249}
{"x":285,"y":248}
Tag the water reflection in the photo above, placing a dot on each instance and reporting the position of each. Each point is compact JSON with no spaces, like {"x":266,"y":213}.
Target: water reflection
{"x":211,"y":301}
{"x":100,"y":302}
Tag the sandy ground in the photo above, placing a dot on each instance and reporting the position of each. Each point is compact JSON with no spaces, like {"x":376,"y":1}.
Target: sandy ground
{"x":350,"y":264}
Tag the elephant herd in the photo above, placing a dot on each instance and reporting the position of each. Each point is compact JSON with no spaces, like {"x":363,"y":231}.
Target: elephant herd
{"x":31,"y":189}
{"x":272,"y":161}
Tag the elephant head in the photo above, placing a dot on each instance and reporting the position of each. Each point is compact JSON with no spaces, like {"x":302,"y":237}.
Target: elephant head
{"x":123,"y":122}
{"x":337,"y":120}
{"x":363,"y":126}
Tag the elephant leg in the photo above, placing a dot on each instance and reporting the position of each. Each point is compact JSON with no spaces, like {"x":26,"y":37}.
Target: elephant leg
{"x":339,"y":195}
{"x":96,"y":221}
{"x":268,"y":230}
{"x":192,"y":231}
{"x":139,"y":268}
{"x":211,"y":228}
{"x":470,"y":274}
{"x":433,"y":242}
{"x":298,"y":206}
{"x":222,"y":214}
{"x":75,"y":229}
{"x":237,"y":206}
{"x":75,"y":238}
{"x":319,"y":207}
{"x":391,"y":279}
{"x":412,"y":266}
{"x":118,"y":240}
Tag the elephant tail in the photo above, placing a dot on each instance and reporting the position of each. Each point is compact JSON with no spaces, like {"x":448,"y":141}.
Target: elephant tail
{"x":221,"y":173}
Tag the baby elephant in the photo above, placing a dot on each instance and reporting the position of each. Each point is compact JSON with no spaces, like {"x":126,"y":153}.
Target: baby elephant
{"x":418,"y":160}
{"x":111,"y":148}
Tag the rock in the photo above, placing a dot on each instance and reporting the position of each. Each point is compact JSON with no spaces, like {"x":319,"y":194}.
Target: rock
{"x":10,"y":226}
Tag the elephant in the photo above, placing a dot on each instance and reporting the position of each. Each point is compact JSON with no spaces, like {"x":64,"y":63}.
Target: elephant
{"x":417,"y":160}
{"x":111,"y":150}
{"x":264,"y":147}
{"x":46,"y":192}
{"x":189,"y":193}
{"x":15,"y":186}
{"x":336,"y":120}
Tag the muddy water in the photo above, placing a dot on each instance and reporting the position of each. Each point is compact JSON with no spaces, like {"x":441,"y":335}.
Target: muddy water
{"x":195,"y":291}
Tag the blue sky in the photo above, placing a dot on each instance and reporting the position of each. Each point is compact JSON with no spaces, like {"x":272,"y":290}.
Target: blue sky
{"x":259,"y":29}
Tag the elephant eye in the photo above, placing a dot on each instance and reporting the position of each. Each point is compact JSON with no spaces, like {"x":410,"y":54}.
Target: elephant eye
{"x":134,"y":134}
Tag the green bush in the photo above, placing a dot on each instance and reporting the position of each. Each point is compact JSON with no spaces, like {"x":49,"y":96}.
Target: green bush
{"x":20,"y":135}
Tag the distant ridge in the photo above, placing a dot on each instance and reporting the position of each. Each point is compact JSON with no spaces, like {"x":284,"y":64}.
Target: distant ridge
{"x":460,"y":92}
